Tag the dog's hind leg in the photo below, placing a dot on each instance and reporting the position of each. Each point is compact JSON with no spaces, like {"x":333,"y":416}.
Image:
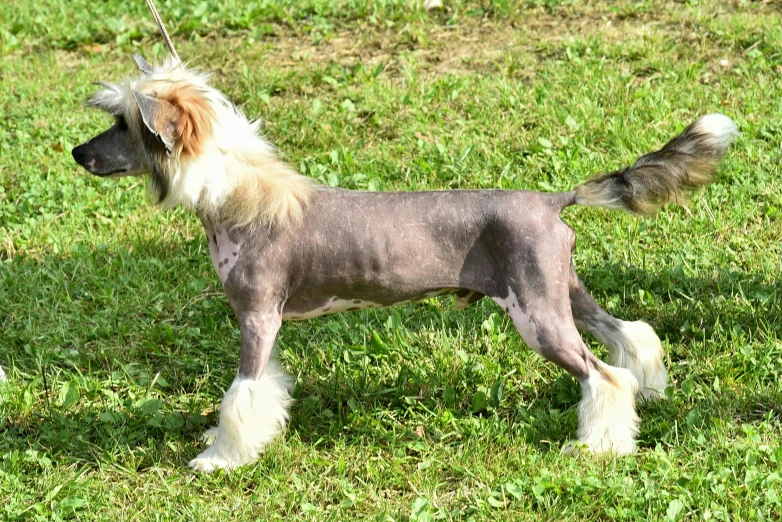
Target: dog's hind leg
{"x":254,"y":410}
{"x":607,"y":421}
{"x":533,"y":291}
{"x":631,"y":344}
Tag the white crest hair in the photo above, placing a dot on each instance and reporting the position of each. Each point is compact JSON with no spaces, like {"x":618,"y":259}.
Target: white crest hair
{"x":220,"y":166}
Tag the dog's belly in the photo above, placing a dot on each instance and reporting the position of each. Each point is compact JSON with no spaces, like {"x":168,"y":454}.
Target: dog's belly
{"x":297,"y":309}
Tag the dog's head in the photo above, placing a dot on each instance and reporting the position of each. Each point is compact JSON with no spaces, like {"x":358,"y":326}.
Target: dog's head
{"x":161,"y":119}
{"x":198,"y":148}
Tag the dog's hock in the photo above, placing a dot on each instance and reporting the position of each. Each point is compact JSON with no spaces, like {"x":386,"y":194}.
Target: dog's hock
{"x":252,"y":414}
{"x":634,"y":345}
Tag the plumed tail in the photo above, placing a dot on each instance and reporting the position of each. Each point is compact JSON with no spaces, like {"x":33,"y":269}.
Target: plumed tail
{"x":683,"y":165}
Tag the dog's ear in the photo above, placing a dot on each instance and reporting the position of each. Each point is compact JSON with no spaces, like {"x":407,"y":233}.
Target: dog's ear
{"x":142,"y":64}
{"x":160,"y":117}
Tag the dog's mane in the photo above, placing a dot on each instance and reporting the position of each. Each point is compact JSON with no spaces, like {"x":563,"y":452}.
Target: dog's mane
{"x":220,"y":164}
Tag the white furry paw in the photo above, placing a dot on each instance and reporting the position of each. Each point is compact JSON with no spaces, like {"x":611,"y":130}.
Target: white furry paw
{"x":252,"y":414}
{"x":654,"y":385}
{"x":607,"y":422}
{"x":209,"y":437}
{"x":212,"y":459}
{"x":2,"y":375}
{"x":641,"y":352}
{"x":210,"y":464}
{"x":574,"y":448}
{"x":226,"y":450}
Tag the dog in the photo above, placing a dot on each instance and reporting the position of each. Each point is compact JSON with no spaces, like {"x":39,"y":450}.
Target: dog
{"x":286,"y":249}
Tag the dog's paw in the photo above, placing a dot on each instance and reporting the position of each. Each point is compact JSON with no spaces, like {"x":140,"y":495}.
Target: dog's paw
{"x":655,"y":386}
{"x":205,"y":465}
{"x":209,"y":437}
{"x":210,"y":463}
{"x":573,"y":448}
{"x":652,"y":395}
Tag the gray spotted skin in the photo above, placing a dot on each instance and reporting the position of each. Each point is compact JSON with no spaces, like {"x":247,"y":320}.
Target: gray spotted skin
{"x":355,"y":250}
{"x":222,"y":250}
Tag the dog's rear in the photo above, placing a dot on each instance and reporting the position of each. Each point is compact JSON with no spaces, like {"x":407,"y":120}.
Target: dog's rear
{"x":671,"y":174}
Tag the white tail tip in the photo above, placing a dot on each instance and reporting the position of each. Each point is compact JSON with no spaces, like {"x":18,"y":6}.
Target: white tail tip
{"x":719,"y":126}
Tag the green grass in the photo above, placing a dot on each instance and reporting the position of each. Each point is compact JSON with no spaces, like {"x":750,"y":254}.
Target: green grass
{"x":118,"y":342}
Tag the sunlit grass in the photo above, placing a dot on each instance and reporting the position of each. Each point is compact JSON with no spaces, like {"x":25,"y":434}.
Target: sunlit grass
{"x":118,"y":342}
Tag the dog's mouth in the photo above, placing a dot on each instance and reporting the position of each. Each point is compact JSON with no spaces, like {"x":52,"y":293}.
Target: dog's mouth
{"x":96,"y":170}
{"x":113,"y":174}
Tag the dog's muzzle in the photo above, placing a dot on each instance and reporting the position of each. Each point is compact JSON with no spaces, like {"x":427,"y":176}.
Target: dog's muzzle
{"x":84,"y":156}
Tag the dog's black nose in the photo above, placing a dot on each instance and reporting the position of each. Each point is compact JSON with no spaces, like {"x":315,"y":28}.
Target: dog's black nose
{"x":78,"y":154}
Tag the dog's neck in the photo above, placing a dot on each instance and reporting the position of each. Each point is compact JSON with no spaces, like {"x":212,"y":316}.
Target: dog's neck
{"x":202,"y":183}
{"x":237,"y":177}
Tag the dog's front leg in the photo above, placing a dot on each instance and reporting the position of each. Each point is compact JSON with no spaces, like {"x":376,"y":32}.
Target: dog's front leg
{"x":254,"y":409}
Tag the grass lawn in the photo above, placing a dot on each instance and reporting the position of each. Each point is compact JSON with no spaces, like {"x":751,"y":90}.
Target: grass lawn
{"x":118,"y":341}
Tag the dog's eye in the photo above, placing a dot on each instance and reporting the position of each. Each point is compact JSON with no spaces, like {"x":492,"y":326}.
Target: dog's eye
{"x":122,"y":124}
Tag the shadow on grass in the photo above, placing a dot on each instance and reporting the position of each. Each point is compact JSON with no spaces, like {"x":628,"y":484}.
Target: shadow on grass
{"x":157,"y":307}
{"x":683,"y":309}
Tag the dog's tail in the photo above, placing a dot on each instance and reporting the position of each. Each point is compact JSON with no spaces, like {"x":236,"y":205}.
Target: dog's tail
{"x":683,"y":165}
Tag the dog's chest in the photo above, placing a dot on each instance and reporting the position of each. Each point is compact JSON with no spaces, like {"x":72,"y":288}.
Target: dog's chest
{"x":223,"y":251}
